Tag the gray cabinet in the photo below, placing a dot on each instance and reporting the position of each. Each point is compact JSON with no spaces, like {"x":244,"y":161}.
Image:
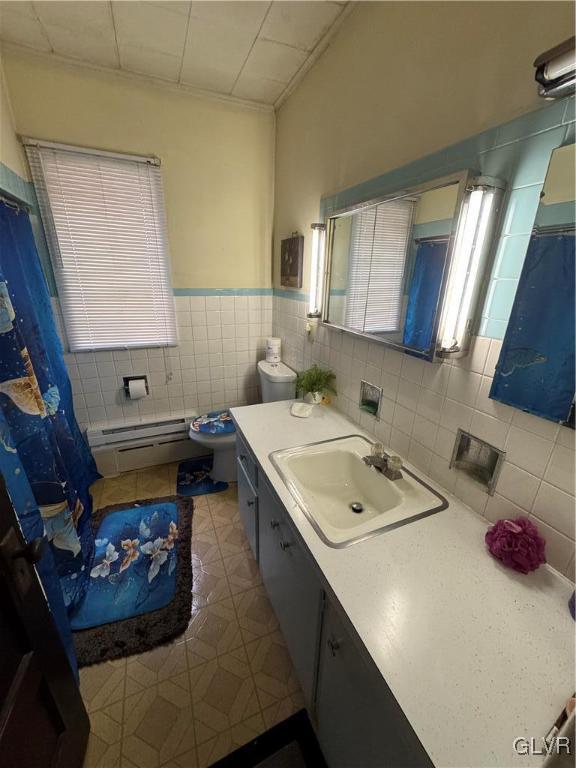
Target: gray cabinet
{"x":246,"y":460}
{"x":290,"y":578}
{"x":359,"y":722}
{"x":248,"y":507}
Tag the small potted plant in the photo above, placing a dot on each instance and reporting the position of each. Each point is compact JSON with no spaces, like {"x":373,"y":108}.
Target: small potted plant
{"x":314,"y":383}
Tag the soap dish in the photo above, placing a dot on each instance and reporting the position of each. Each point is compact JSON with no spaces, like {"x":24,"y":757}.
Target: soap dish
{"x":302,"y":410}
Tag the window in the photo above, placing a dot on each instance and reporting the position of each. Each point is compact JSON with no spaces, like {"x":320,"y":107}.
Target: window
{"x":378,"y":248}
{"x":105,"y":223}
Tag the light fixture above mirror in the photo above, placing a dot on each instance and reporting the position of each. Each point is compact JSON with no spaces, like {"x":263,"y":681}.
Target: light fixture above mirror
{"x":405,"y":269}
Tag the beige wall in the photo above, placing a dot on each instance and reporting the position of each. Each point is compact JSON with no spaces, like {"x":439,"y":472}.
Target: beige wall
{"x":436,"y":205}
{"x":217,"y":159}
{"x":559,"y":186}
{"x":11,"y":153}
{"x":401,"y":80}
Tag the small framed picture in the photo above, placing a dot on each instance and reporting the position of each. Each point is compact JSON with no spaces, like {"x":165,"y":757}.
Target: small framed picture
{"x":291,"y":257}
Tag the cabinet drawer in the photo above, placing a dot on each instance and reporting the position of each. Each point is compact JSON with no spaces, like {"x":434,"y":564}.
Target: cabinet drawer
{"x":246,"y":460}
{"x":248,"y":508}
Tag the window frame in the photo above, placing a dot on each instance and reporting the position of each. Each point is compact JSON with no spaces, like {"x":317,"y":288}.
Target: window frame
{"x":156,"y":212}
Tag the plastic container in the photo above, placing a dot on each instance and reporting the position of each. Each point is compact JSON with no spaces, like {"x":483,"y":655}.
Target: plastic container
{"x":273,"y":347}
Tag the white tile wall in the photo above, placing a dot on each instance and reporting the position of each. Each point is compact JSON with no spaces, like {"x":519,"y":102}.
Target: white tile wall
{"x":423,"y":406}
{"x":221,"y":338}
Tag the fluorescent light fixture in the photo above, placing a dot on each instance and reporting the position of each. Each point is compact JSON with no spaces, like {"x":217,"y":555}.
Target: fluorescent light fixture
{"x":316,"y":269}
{"x":471,"y":248}
{"x":556,"y":71}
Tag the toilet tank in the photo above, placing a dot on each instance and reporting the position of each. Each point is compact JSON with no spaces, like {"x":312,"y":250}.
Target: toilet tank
{"x":277,"y":381}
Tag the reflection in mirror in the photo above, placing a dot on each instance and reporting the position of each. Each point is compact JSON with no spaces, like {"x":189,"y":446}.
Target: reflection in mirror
{"x":406,"y":270}
{"x":387,"y":265}
{"x":536,"y":369}
{"x":556,"y":207}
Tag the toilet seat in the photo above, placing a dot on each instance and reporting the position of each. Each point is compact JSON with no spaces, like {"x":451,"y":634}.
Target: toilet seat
{"x":214,"y":423}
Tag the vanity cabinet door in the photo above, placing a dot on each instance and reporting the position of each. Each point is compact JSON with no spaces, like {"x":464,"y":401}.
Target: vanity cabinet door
{"x":359,"y":722}
{"x":248,"y":508}
{"x":246,"y":460}
{"x":293,"y":587}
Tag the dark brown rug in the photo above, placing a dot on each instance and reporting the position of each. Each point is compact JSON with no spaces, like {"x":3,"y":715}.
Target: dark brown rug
{"x":146,"y":631}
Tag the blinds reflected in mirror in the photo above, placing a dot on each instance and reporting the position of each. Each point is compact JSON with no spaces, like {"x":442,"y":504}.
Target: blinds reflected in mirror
{"x":105,"y":222}
{"x":359,"y":262}
{"x":378,"y":248}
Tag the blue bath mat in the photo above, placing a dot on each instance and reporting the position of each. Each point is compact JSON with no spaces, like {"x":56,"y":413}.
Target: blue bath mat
{"x":194,"y":478}
{"x":140,"y":580}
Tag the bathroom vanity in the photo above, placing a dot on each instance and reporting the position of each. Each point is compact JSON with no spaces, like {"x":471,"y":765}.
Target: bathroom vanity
{"x":412,"y":646}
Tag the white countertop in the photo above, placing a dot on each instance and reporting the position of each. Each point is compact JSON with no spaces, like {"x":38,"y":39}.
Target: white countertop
{"x":475,"y":654}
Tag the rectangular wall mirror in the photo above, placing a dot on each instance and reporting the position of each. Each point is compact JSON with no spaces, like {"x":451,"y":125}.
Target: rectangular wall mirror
{"x":536,"y":369}
{"x":390,"y":262}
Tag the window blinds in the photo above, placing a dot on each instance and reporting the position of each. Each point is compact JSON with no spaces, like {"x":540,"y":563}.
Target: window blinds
{"x":378,"y":249}
{"x":106,"y":228}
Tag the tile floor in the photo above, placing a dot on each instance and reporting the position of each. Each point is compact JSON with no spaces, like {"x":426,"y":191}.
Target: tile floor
{"x":224,"y":681}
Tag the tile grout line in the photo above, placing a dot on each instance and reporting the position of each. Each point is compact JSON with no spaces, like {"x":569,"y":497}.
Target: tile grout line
{"x":188,"y":18}
{"x":256,"y":37}
{"x":243,"y":640}
{"x":244,"y":648}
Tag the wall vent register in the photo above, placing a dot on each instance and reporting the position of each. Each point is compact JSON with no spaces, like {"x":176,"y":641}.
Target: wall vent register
{"x":370,"y":398}
{"x":477,"y":459}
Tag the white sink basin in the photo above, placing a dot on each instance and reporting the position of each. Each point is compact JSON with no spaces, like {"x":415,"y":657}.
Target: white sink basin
{"x":327,"y":478}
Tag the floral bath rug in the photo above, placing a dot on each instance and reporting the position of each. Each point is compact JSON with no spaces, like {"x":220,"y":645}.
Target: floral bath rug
{"x":139,"y":593}
{"x":194,"y":478}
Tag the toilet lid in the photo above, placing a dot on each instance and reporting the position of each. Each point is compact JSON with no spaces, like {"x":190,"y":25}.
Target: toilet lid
{"x":214,"y":423}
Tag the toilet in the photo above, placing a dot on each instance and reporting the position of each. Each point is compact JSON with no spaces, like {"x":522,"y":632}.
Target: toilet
{"x":216,"y":432}
{"x":277,"y":381}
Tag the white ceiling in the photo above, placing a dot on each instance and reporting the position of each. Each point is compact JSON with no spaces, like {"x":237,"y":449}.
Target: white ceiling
{"x":250,"y":50}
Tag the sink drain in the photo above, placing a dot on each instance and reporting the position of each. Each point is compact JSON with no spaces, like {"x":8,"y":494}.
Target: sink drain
{"x":357,"y":507}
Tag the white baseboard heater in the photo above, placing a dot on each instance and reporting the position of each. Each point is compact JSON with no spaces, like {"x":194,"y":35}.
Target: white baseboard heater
{"x":121,"y":447}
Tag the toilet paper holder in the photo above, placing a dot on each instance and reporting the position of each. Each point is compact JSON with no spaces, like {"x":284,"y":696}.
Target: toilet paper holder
{"x":128,"y":379}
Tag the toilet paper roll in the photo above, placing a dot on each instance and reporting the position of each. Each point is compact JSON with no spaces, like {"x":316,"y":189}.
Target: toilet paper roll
{"x":137,"y":389}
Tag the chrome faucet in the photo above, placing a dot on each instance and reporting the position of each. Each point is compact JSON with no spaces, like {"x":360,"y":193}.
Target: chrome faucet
{"x":389,"y":466}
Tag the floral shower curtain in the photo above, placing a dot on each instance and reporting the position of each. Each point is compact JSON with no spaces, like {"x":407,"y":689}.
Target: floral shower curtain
{"x":47,"y":465}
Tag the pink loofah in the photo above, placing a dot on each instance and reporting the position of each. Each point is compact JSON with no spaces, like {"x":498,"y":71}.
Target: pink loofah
{"x":517,"y":544}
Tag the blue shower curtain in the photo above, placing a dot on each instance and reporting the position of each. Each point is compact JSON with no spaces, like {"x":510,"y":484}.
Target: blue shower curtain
{"x":47,"y":465}
{"x":536,"y":369}
{"x":424,"y":292}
